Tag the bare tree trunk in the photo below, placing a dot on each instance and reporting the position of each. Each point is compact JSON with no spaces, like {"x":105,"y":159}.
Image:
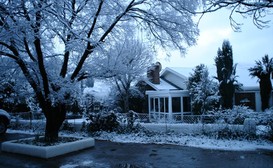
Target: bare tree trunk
{"x":265,"y":91}
{"x":55,"y":117}
{"x":126,"y":102}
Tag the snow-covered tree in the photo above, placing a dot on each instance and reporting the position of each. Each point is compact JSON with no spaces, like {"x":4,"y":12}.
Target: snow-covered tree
{"x":226,"y":74}
{"x":263,"y":70}
{"x":13,"y":88}
{"x":203,"y":90}
{"x":38,"y":34}
{"x":124,"y":63}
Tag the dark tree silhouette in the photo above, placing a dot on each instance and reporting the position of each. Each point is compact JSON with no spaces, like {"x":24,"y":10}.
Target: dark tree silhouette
{"x":262,"y":71}
{"x":226,"y":74}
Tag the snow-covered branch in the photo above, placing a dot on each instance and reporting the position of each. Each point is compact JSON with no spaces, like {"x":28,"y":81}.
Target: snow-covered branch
{"x":257,"y":9}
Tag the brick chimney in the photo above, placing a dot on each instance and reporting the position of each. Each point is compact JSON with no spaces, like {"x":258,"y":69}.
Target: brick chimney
{"x":153,"y":73}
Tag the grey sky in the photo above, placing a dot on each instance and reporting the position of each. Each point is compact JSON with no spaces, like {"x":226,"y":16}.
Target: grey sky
{"x":248,"y":45}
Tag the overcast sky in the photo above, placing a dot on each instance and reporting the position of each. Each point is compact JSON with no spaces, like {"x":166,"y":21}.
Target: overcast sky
{"x":248,"y":45}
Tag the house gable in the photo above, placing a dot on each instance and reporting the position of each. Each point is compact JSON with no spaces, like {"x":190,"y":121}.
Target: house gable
{"x":175,"y":78}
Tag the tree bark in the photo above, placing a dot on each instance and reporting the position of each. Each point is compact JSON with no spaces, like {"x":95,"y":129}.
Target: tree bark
{"x":226,"y":92}
{"x":265,"y":91}
{"x":55,"y":117}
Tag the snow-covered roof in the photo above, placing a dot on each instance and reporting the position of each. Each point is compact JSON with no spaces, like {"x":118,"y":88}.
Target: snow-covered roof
{"x":242,"y":74}
{"x":179,"y":71}
{"x":182,"y":74}
{"x":164,"y":85}
{"x":244,"y":77}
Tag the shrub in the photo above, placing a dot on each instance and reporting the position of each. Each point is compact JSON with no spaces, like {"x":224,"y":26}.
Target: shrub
{"x":270,"y":132}
{"x":238,"y":114}
{"x":67,"y":126}
{"x":103,"y":121}
{"x":228,"y":133}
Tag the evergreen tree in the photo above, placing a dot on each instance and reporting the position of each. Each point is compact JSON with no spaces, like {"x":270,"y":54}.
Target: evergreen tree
{"x":226,"y":74}
{"x":202,"y":89}
{"x":262,"y":70}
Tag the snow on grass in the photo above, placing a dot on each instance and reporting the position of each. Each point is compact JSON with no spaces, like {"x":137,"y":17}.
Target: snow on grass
{"x":180,"y":134}
{"x":30,"y":132}
{"x":200,"y":141}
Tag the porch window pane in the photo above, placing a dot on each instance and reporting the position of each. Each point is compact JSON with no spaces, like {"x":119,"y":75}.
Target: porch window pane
{"x":162,"y":109}
{"x":186,"y":104}
{"x":156,"y":105}
{"x":176,"y":104}
{"x":152,"y":108}
{"x":166,"y":104}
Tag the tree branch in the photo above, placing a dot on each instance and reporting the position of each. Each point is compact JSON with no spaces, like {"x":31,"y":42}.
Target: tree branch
{"x":89,"y":48}
{"x":254,"y":8}
{"x":39,"y":52}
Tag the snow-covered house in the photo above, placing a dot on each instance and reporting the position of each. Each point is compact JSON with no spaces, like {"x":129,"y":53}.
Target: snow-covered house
{"x":249,"y":95}
{"x":168,"y":97}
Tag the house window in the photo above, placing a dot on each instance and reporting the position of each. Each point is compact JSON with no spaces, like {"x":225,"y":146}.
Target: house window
{"x":186,"y":104}
{"x":176,"y":104}
{"x":159,"y":104}
{"x":245,"y":99}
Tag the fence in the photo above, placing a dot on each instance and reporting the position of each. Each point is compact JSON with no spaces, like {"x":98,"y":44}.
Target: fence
{"x":36,"y":121}
{"x":191,"y":119}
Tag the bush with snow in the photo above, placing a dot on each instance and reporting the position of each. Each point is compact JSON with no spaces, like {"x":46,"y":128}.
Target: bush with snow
{"x":238,"y":114}
{"x":102,"y":121}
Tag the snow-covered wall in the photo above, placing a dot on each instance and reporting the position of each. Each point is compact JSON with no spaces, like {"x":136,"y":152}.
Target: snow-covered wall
{"x":190,"y":129}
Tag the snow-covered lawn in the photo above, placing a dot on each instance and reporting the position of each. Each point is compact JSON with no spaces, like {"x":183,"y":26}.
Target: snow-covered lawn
{"x":181,"y":137}
{"x":200,"y":141}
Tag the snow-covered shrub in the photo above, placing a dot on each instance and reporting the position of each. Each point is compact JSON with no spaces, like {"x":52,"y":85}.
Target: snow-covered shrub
{"x":228,"y":133}
{"x":231,"y":116}
{"x":84,"y":126}
{"x":238,"y":114}
{"x":103,"y":121}
{"x":224,"y":131}
{"x":250,"y":126}
{"x":137,"y":128}
{"x":270,"y":132}
{"x":203,"y":90}
{"x":128,"y":122}
{"x":67,"y":126}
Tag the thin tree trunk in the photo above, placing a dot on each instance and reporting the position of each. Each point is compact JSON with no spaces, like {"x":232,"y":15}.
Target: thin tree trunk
{"x":126,"y":102}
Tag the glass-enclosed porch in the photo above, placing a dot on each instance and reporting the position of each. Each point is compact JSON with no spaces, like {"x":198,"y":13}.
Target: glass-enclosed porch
{"x":168,"y":106}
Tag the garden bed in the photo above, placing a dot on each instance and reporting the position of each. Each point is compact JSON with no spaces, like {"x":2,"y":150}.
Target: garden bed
{"x":36,"y":148}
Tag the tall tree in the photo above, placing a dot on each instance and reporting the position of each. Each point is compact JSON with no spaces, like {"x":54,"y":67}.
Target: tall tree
{"x":226,"y":74}
{"x":13,"y":87}
{"x":34,"y":33}
{"x":203,"y":90}
{"x":262,"y":70}
{"x":124,"y":63}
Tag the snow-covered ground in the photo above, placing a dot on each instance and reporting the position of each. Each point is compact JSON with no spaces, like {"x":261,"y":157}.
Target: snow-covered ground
{"x":179,"y":138}
{"x":188,"y":140}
